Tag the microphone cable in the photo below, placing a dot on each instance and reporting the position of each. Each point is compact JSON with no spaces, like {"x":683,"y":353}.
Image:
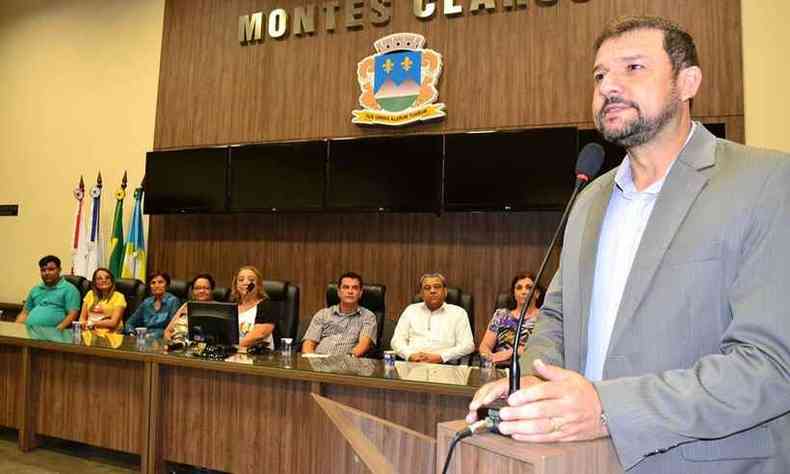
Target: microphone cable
{"x":476,"y":427}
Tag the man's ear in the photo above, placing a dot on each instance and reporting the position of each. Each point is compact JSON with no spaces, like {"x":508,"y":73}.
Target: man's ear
{"x":688,"y":82}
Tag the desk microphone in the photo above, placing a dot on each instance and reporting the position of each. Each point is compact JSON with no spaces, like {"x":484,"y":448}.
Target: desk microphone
{"x":250,"y":287}
{"x":587,"y":166}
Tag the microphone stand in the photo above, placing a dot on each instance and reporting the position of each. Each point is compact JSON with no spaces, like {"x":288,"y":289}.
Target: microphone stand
{"x":515,"y":369}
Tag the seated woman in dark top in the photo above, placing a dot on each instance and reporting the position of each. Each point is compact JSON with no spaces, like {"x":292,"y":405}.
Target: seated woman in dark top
{"x":155,"y":312}
{"x":497,"y":343}
{"x":256,"y":321}
{"x":202,"y":287}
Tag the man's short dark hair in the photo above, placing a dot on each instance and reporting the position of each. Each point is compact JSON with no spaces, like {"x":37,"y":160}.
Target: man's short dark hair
{"x":353,"y":275}
{"x":678,"y":44}
{"x":47,"y":259}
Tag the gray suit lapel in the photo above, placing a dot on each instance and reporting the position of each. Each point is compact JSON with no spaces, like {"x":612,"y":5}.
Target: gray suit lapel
{"x":680,"y":190}
{"x":588,"y":252}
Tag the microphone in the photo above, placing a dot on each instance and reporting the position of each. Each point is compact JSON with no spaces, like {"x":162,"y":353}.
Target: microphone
{"x":589,"y":162}
{"x":250,"y":287}
{"x":587,"y":166}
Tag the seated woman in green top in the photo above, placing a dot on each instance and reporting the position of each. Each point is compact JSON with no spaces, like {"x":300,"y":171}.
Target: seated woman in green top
{"x":102,"y":306}
{"x":155,"y":312}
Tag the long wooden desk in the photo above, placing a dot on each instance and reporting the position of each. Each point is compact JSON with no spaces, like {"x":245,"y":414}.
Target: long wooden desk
{"x":254,"y":414}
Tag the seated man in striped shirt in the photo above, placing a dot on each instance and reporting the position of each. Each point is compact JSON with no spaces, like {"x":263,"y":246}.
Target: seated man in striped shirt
{"x":345,"y":328}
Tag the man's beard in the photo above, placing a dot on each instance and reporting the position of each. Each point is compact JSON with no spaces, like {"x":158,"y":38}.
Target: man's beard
{"x":640,"y":130}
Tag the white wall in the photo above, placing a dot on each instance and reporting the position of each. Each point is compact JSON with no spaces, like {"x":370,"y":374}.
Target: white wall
{"x":79,"y":81}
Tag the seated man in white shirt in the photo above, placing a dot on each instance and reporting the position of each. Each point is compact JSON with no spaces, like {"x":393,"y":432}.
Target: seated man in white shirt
{"x":432,"y":330}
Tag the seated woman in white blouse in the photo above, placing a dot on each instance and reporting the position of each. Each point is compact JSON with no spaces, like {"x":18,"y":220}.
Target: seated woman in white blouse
{"x":256,"y":319}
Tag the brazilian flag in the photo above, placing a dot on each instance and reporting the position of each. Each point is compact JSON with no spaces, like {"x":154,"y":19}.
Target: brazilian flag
{"x":116,"y":239}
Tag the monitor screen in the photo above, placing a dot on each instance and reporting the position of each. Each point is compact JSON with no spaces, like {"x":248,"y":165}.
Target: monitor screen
{"x":510,"y":170}
{"x":386,"y":174}
{"x":213,"y":323}
{"x":186,"y":181}
{"x":278,"y":177}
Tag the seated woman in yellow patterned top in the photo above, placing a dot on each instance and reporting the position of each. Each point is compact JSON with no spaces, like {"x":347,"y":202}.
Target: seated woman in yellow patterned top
{"x":102,"y":306}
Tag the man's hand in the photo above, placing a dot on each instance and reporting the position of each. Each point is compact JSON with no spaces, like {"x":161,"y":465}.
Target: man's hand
{"x":358,"y":351}
{"x":425,"y":357}
{"x":492,"y":391}
{"x":565,"y":408}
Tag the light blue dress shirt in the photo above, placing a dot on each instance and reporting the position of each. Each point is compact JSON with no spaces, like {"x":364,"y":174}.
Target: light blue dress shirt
{"x":621,"y":232}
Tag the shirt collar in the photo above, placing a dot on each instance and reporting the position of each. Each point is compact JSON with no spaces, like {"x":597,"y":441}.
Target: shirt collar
{"x":440,"y":308}
{"x":44,"y":286}
{"x":336,"y":310}
{"x":624,"y":180}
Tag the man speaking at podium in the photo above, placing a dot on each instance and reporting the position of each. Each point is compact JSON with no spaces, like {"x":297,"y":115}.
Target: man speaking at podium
{"x":666,"y":326}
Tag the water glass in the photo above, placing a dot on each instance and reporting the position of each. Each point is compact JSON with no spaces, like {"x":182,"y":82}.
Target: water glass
{"x":76,"y":332}
{"x":389,"y":358}
{"x":286,"y":345}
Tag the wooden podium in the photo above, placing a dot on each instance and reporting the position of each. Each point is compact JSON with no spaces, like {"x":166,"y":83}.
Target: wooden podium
{"x":387,"y":448}
{"x":490,"y":453}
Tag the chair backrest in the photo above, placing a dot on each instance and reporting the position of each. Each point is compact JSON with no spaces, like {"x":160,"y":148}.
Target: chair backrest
{"x":134,"y":292}
{"x":221,"y":294}
{"x":178,"y":288}
{"x":82,"y":284}
{"x":457,"y":297}
{"x":502,"y":301}
{"x":284,"y":301}
{"x":373,"y":298}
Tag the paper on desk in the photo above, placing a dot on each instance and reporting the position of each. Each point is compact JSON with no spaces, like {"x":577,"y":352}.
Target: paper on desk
{"x":239,"y":359}
{"x":313,"y":355}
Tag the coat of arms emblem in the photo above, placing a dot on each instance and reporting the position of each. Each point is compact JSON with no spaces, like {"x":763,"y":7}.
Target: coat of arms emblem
{"x":399,"y":82}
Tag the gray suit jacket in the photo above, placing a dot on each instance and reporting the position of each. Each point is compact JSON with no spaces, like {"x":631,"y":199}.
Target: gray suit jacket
{"x":697,"y":375}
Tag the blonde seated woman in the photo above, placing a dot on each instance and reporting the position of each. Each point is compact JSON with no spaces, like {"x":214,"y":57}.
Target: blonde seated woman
{"x":103,"y":307}
{"x":202,"y":288}
{"x":256,"y":319}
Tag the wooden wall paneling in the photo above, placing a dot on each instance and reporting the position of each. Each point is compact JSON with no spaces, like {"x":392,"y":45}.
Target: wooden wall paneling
{"x":503,"y":69}
{"x":417,"y":411}
{"x":235,"y":423}
{"x":11,"y":385}
{"x":25,"y":416}
{"x":479,"y":252}
{"x":150,"y":461}
{"x":92,"y":400}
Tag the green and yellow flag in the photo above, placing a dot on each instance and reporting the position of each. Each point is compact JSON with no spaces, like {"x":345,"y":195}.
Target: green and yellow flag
{"x":115,"y":260}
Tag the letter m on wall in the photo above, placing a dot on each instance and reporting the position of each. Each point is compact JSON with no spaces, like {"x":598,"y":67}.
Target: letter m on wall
{"x":250,"y":27}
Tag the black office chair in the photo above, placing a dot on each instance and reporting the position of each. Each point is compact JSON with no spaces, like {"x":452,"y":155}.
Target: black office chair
{"x":181,"y":289}
{"x":221,"y":294}
{"x":373,"y":298}
{"x":503,"y":300}
{"x":134,"y":292}
{"x":284,"y":301}
{"x":82,"y":284}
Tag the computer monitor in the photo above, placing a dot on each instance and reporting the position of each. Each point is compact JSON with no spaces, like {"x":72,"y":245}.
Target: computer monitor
{"x":513,"y":170}
{"x":213,"y":323}
{"x":392,"y":174}
{"x":186,"y":181}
